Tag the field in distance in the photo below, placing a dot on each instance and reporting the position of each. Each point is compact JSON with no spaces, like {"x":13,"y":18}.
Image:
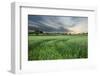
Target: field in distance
{"x":57,"y":47}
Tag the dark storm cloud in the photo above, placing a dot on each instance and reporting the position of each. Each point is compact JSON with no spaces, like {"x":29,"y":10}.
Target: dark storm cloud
{"x":54,"y":23}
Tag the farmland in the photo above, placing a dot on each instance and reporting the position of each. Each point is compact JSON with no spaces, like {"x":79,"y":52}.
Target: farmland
{"x":57,"y":47}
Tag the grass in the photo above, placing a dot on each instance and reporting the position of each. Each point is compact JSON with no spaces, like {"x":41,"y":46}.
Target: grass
{"x":57,"y":47}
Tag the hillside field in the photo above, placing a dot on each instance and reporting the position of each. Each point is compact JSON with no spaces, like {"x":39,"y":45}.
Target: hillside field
{"x":57,"y":47}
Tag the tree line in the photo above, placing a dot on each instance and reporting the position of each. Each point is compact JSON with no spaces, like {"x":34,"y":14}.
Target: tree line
{"x":37,"y":32}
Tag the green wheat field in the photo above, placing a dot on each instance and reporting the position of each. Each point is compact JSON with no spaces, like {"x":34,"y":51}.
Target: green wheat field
{"x":57,"y":47}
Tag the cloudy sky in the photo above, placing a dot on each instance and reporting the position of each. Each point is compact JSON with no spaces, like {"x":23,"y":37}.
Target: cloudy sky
{"x":70,"y":24}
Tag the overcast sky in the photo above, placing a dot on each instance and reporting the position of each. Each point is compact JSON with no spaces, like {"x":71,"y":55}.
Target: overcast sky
{"x":58,"y":23}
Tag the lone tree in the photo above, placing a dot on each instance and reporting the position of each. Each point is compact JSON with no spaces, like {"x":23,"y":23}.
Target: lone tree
{"x":37,"y":32}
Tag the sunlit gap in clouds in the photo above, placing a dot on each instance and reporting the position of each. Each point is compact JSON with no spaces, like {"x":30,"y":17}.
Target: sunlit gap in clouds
{"x":58,"y":24}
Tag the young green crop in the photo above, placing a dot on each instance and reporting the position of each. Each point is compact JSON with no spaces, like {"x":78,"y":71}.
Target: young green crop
{"x":57,"y":47}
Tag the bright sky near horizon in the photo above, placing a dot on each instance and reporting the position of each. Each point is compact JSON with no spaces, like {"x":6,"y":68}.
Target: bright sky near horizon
{"x":71,"y":24}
